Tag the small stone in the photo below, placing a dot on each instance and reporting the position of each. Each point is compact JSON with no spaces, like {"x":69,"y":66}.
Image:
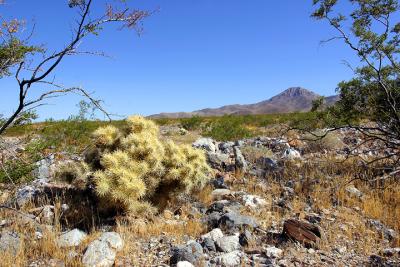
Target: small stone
{"x":71,"y":239}
{"x":219,"y":194}
{"x":99,"y":253}
{"x":253,"y":201}
{"x":354,"y":192}
{"x":231,"y":259}
{"x":209,"y":245}
{"x":9,"y":242}
{"x":213,"y":235}
{"x":228,"y":243}
{"x":205,"y":143}
{"x":273,"y":252}
{"x":244,"y":238}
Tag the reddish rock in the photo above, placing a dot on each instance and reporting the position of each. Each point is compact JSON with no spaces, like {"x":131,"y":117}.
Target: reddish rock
{"x":305,"y":233}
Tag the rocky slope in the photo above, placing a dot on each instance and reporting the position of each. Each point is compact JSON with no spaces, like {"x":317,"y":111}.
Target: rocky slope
{"x":268,"y":205}
{"x":295,"y":99}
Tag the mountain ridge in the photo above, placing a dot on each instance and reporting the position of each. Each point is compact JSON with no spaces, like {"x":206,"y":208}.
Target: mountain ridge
{"x":293,"y":99}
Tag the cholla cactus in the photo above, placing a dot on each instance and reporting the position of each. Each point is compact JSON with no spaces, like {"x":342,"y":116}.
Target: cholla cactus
{"x":106,"y":137}
{"x":137,"y":167}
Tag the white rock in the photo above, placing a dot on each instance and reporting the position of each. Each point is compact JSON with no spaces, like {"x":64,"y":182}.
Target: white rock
{"x":219,"y":194}
{"x":99,"y":254}
{"x":71,"y":238}
{"x":213,"y":235}
{"x":102,"y":252}
{"x":273,"y":252}
{"x":354,"y":192}
{"x":184,"y":264}
{"x":113,"y":239}
{"x":253,"y":201}
{"x":231,"y":259}
{"x":228,"y":243}
{"x":206,"y":144}
{"x":291,"y":154}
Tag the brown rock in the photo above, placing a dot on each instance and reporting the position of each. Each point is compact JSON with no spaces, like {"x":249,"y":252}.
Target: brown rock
{"x":306,"y":233}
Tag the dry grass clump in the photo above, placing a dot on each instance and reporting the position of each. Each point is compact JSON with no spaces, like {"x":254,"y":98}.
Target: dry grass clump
{"x":319,"y":140}
{"x":133,"y":168}
{"x":252,"y":153}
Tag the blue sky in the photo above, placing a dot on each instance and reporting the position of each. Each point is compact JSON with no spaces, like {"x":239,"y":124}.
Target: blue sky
{"x":193,"y":54}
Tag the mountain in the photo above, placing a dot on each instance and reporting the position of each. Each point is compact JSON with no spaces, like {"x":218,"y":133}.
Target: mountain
{"x":294,"y":99}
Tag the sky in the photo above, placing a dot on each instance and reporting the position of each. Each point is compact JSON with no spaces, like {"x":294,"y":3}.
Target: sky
{"x":192,"y":54}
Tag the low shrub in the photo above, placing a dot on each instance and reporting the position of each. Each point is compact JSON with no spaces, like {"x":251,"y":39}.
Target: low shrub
{"x":228,"y":128}
{"x":193,"y":123}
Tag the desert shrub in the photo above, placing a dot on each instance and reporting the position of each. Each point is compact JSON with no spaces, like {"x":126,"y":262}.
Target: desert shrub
{"x":318,"y":142}
{"x":138,"y":171}
{"x":228,"y":128}
{"x":192,"y":123}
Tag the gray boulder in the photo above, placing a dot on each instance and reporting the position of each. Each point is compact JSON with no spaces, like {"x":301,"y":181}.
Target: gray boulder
{"x":10,"y":242}
{"x":231,"y":259}
{"x":102,"y":252}
{"x":233,"y":221}
{"x":205,"y":143}
{"x":71,"y":238}
{"x":218,"y":160}
{"x":191,"y":252}
{"x":228,"y":243}
{"x":240,"y":161}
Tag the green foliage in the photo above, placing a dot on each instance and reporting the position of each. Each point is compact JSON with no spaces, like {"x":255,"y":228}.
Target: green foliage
{"x":317,"y":104}
{"x":137,"y":169}
{"x":228,"y":128}
{"x":12,"y":52}
{"x":192,"y":123}
{"x":20,"y":169}
{"x":26,"y":117}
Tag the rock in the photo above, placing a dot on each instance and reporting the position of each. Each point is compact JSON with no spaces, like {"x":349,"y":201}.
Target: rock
{"x":231,"y":259}
{"x":213,"y":235}
{"x":240,"y":162}
{"x":267,"y":164}
{"x":388,"y":233}
{"x":291,"y":154}
{"x":219,"y":183}
{"x":184,"y":264}
{"x":228,"y":243}
{"x":25,"y":195}
{"x":390,"y":252}
{"x":191,"y":252}
{"x":47,"y":215}
{"x":218,"y":160}
{"x":354,"y":192}
{"x":99,"y":253}
{"x":253,"y":201}
{"x":219,"y":194}
{"x":273,"y":252}
{"x":303,"y":232}
{"x":313,"y":218}
{"x":208,"y":244}
{"x":245,"y":238}
{"x":223,"y":206}
{"x":233,"y":221}
{"x":226,"y":147}
{"x":10,"y":242}
{"x":43,"y":166}
{"x":113,"y":239}
{"x":205,"y":143}
{"x":71,"y":238}
{"x":212,"y":219}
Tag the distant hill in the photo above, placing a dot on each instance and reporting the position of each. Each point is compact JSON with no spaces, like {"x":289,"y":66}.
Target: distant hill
{"x":294,"y":99}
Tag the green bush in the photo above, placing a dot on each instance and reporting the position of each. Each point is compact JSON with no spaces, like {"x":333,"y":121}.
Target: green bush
{"x":227,"y":128}
{"x":192,"y":123}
